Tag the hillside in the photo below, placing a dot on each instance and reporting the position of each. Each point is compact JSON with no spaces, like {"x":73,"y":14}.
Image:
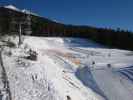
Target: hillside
{"x":64,"y":69}
{"x":35,"y":25}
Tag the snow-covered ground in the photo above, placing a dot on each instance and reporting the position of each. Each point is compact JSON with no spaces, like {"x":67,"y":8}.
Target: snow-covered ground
{"x":68,"y":69}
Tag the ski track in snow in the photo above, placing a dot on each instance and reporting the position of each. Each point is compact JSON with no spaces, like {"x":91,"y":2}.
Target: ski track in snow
{"x":68,"y":69}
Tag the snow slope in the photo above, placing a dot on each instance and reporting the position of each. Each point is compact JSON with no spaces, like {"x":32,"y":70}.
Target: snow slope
{"x":68,"y":69}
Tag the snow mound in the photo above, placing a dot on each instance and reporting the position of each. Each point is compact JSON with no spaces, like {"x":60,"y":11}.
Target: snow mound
{"x":84,"y":74}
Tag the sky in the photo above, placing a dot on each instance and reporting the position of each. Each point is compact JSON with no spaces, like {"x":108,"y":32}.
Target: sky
{"x":98,"y":13}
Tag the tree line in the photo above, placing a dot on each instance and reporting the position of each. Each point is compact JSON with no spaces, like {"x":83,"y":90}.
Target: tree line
{"x":40,"y":26}
{"x":114,"y":38}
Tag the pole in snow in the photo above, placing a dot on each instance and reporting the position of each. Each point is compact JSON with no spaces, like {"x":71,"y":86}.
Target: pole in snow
{"x":20,"y":34}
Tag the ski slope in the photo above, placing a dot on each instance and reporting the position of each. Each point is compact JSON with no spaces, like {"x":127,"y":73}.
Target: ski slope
{"x":68,"y":69}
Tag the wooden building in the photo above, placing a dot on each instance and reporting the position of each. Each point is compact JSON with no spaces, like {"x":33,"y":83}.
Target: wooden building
{"x":11,"y":21}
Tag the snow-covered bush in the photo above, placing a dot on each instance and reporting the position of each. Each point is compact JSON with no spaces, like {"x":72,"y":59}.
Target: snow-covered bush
{"x":32,"y":55}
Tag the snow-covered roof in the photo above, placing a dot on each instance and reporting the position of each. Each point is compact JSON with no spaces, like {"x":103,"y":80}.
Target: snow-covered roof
{"x":29,"y":12}
{"x":12,"y":7}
